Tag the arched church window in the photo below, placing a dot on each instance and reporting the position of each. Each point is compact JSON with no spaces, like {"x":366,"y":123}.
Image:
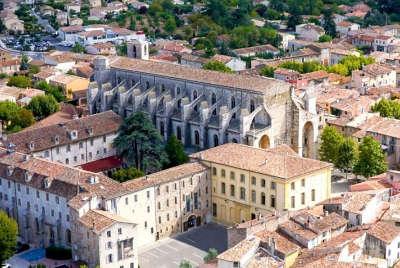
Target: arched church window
{"x":147,"y":85}
{"x":234,"y":141}
{"x":178,"y":133}
{"x":162,"y":128}
{"x":162,"y":87}
{"x":194,"y":95}
{"x":196,"y":138}
{"x":216,"y":140}
{"x":213,"y":98}
{"x":178,"y":90}
{"x":252,"y":106}
{"x":233,"y":102}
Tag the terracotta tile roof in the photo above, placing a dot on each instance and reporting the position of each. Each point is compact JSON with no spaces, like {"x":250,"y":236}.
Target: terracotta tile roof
{"x":86,"y":127}
{"x":11,"y":62}
{"x":384,"y":231}
{"x":280,"y":162}
{"x":99,"y":220}
{"x":292,"y":228}
{"x":164,"y":176}
{"x":387,"y":126}
{"x":320,"y":224}
{"x":321,"y":74}
{"x":256,"y":49}
{"x":72,"y":183}
{"x":102,"y":164}
{"x":370,"y":185}
{"x":251,"y":83}
{"x":263,"y":259}
{"x":221,"y":58}
{"x":237,"y":252}
{"x":355,"y":202}
{"x":282,"y":244}
{"x":66,"y":113}
{"x":72,"y":29}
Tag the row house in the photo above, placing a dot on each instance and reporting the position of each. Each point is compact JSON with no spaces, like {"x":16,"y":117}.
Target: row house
{"x":373,"y":75}
{"x":52,"y":203}
{"x":74,"y":142}
{"x":309,"y":230}
{"x":93,"y":34}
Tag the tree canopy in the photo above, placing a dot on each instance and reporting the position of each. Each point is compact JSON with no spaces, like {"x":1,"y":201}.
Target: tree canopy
{"x":347,"y":155}
{"x":44,"y":105}
{"x":19,"y":81}
{"x":8,"y":237}
{"x":126,"y":174}
{"x":14,"y":117}
{"x":140,"y":144}
{"x":387,"y":108}
{"x":175,"y":152}
{"x":371,"y":158}
{"x":330,"y":142}
{"x":56,"y":92}
{"x":217,"y":66}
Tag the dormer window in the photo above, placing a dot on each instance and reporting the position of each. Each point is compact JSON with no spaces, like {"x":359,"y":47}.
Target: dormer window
{"x":73,"y":134}
{"x":90,"y":131}
{"x":28,"y":176}
{"x":47,"y":183}
{"x":93,"y":179}
{"x":31,"y":146}
{"x":57,"y":139}
{"x":10,"y":170}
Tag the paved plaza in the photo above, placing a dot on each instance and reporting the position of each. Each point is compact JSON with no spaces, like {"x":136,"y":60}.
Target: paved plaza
{"x":191,"y":246}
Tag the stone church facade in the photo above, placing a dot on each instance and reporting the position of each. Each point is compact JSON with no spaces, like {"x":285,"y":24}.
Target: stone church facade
{"x":205,"y":108}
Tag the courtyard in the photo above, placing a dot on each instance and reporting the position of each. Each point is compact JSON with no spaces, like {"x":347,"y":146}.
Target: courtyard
{"x":191,"y":246}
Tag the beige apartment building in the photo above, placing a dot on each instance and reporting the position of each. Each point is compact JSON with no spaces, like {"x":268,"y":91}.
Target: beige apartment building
{"x":247,"y":181}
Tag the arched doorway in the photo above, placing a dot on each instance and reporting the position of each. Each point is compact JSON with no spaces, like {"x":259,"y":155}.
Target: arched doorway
{"x":308,"y":140}
{"x":264,"y":142}
{"x":190,"y":223}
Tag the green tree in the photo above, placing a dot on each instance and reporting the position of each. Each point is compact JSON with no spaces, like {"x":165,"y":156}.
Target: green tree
{"x":8,"y":236}
{"x":294,"y":18}
{"x":24,"y":118}
{"x":14,"y":117}
{"x":330,"y":142}
{"x":211,"y":255}
{"x":371,"y":159}
{"x":185,"y":264}
{"x":42,"y":106}
{"x":78,"y":48}
{"x":347,"y":155}
{"x":56,"y":91}
{"x":325,"y":38}
{"x":175,"y":152}
{"x":140,"y":144}
{"x":24,"y":63}
{"x":19,"y":81}
{"x":267,"y":71}
{"x":328,"y":23}
{"x":126,"y":174}
{"x":387,"y":108}
{"x":217,"y":66}
{"x":170,"y":25}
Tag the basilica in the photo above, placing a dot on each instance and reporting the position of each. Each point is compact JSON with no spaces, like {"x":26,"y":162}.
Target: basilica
{"x":205,"y":108}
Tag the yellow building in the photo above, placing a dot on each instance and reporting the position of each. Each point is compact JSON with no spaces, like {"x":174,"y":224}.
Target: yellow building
{"x":71,"y":84}
{"x":248,"y":180}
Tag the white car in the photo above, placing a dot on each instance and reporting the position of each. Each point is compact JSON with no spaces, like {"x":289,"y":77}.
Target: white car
{"x":6,"y":265}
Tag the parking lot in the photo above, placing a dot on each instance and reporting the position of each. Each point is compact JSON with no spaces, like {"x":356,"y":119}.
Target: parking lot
{"x":191,"y":246}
